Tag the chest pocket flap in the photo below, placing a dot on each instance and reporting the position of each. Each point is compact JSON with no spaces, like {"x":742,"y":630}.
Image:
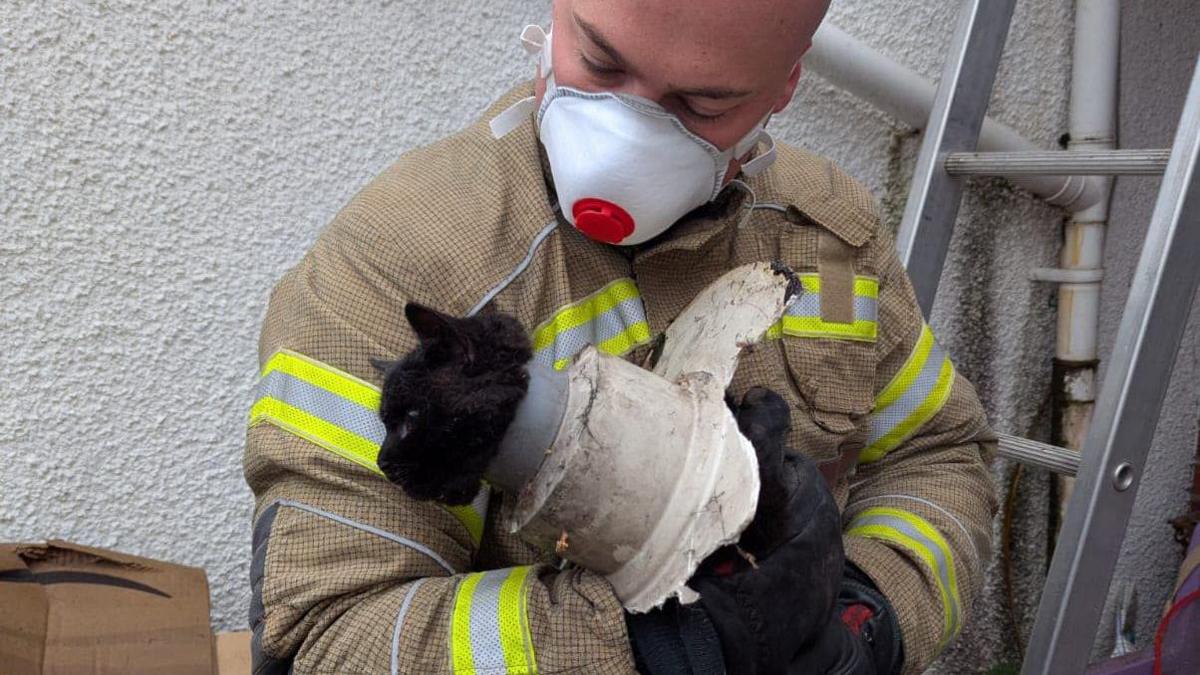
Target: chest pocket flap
{"x":827,"y":342}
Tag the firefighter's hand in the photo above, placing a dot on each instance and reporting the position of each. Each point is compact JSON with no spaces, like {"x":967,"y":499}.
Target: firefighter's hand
{"x":862,"y":637}
{"x":776,"y":590}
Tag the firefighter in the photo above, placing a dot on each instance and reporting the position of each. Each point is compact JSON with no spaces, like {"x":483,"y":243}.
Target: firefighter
{"x":593,"y":204}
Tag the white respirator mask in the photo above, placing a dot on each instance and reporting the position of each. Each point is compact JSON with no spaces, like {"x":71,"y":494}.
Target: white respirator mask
{"x":624,"y":168}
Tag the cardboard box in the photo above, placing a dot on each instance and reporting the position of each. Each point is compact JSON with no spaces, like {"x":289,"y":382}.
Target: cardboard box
{"x":233,"y":653}
{"x":70,"y":609}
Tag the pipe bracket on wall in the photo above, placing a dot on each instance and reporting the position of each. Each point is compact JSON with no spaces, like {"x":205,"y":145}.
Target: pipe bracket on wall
{"x":1061,"y":276}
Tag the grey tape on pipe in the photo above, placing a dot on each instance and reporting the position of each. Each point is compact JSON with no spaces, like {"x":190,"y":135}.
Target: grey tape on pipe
{"x":532,"y":431}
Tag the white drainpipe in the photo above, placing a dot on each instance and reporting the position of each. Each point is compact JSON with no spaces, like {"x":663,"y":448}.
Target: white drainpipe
{"x":851,"y":65}
{"x":1093,"y":111}
{"x":868,"y":74}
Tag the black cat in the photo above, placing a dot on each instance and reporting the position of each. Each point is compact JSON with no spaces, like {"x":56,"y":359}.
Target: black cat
{"x":447,"y":404}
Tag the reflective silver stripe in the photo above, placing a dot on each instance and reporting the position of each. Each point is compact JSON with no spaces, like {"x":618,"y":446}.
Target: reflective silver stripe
{"x":473,"y":516}
{"x":489,"y":625}
{"x":346,"y":415}
{"x":321,"y":403}
{"x":342,"y":520}
{"x":855,"y":506}
{"x":808,"y":305}
{"x":404,"y":606}
{"x":884,"y":421}
{"x":865,"y":309}
{"x":485,"y":623}
{"x":481,"y":502}
{"x":942,"y":566}
{"x":605,"y":326}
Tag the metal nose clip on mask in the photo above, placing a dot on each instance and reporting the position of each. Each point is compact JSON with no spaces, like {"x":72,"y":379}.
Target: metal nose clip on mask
{"x":624,"y":168}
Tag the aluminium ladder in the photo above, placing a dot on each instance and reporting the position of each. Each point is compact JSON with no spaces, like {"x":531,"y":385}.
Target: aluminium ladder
{"x":1164,"y":285}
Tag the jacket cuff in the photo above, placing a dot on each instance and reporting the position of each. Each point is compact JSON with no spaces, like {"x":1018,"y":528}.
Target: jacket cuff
{"x":907,"y":593}
{"x":879,"y":627}
{"x":675,"y":640}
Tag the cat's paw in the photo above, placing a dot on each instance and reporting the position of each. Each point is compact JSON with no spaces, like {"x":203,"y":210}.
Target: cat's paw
{"x":764,"y":419}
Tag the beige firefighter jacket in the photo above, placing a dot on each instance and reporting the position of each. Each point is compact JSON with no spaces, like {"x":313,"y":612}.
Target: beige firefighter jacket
{"x":349,"y":575}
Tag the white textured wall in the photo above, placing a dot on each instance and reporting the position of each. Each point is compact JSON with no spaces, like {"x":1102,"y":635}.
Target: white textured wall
{"x":162,"y":163}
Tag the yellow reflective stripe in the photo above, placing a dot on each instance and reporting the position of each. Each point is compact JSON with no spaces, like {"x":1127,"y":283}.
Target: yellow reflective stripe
{"x":514,"y":628}
{"x":489,"y":625}
{"x":473,"y":515}
{"x":904,"y":377}
{"x":461,"y":654}
{"x":333,"y":438}
{"x":803,"y":318}
{"x":523,"y":609}
{"x":329,"y":425}
{"x":326,"y":377}
{"x":618,"y":345}
{"x":814,"y":327}
{"x":864,"y":287}
{"x":579,"y":313}
{"x":469,"y":519}
{"x":612,"y":319}
{"x":923,"y":414}
{"x":921,"y":539}
{"x":914,"y":396}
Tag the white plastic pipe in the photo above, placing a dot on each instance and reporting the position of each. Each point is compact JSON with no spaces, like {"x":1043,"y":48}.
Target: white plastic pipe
{"x":639,"y":475}
{"x":877,"y":79}
{"x":1092,"y":127}
{"x":1093,"y":123}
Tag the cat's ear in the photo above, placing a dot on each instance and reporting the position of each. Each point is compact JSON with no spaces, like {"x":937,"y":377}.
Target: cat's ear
{"x":428,"y":323}
{"x":431,"y":326}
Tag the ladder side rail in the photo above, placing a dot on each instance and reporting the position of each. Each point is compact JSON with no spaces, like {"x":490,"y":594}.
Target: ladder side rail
{"x":1156,"y":312}
{"x":963,"y":94}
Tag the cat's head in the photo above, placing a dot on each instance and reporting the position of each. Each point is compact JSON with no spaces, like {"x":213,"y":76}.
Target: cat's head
{"x":447,"y":404}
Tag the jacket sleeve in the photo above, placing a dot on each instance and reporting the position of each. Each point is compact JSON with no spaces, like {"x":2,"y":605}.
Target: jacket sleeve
{"x":919,"y":516}
{"x":348,"y":574}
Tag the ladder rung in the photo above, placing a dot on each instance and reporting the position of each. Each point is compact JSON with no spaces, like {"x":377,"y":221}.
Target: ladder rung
{"x":1041,"y":455}
{"x":1059,"y":162}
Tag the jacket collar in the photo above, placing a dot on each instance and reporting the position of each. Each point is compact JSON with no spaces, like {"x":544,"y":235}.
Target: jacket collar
{"x":810,"y":187}
{"x":807,"y":188}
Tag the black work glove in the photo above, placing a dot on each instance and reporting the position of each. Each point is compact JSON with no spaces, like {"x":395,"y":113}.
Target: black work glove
{"x":776,"y":590}
{"x":861,"y":638}
{"x":675,"y":639}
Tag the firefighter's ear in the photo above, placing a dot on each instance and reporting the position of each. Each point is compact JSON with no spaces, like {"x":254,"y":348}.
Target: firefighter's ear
{"x":443,"y":333}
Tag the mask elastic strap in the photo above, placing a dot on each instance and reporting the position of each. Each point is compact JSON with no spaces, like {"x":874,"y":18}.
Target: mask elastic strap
{"x":512,"y":117}
{"x":747,"y":208}
{"x":536,"y":42}
{"x":764,"y":159}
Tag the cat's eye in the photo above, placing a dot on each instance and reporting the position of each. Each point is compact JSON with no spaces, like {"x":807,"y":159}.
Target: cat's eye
{"x":406,"y":424}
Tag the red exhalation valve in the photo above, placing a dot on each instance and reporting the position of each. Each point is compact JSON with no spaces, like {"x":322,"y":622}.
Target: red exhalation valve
{"x":601,"y":220}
